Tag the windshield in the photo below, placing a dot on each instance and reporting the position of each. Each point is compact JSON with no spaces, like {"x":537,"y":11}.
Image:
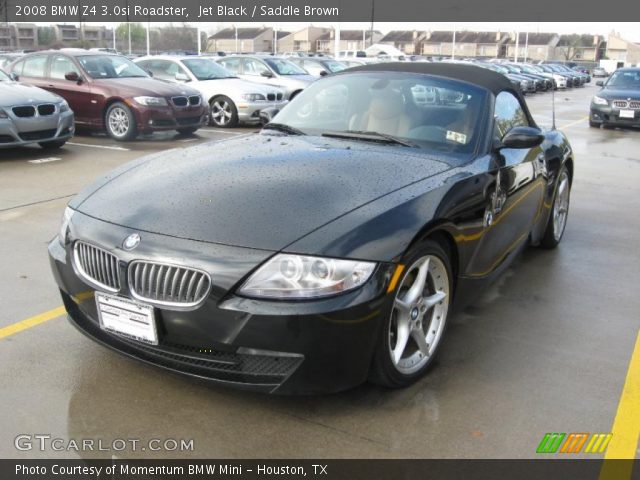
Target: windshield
{"x":207,"y":69}
{"x":625,"y":79}
{"x":4,"y":77}
{"x":334,"y":66}
{"x":284,"y":67}
{"x":110,"y":66}
{"x":429,"y":112}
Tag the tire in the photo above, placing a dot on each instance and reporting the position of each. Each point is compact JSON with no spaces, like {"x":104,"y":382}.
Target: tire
{"x":187,"y":130}
{"x":120,"y":122}
{"x":53,"y":145}
{"x":294,"y":94}
{"x":224,"y":113}
{"x":594,"y":124}
{"x":424,"y":317}
{"x":559,"y":211}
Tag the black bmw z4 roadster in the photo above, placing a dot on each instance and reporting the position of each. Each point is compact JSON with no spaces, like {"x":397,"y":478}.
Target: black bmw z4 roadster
{"x":330,"y":248}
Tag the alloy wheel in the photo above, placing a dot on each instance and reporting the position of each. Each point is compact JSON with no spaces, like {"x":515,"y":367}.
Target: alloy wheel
{"x":419,"y":314}
{"x":119,"y":123}
{"x":221,"y":112}
{"x":561,"y":206}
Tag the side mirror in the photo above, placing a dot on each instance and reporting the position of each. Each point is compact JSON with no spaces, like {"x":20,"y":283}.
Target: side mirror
{"x":267,"y":114}
{"x":600,"y":83}
{"x":72,"y":76}
{"x":14,"y":76}
{"x":522,"y":137}
{"x":182,"y":77}
{"x":323,"y":73}
{"x":266,"y":74}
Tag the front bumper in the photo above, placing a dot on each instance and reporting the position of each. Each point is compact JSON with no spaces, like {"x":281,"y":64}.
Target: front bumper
{"x":249,"y":112}
{"x":607,"y":115}
{"x":301,"y":347}
{"x":151,"y":119}
{"x":15,"y":132}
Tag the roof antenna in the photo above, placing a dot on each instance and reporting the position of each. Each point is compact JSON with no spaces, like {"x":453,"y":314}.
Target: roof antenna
{"x":553,"y":106}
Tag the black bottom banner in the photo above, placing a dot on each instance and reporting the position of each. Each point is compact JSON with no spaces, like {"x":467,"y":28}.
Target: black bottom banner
{"x":543,"y":469}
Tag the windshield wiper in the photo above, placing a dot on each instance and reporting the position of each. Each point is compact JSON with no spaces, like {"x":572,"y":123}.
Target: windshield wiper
{"x":369,"y":136}
{"x":281,"y":127}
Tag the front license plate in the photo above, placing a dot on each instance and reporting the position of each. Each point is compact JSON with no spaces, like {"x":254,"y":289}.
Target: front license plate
{"x":124,"y":317}
{"x":627,"y":113}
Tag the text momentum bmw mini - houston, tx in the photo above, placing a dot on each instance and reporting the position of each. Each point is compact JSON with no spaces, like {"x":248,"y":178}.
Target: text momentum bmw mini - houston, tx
{"x":328,"y":249}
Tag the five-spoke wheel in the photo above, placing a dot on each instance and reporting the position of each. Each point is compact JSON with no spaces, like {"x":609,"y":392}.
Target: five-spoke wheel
{"x":223,"y":112}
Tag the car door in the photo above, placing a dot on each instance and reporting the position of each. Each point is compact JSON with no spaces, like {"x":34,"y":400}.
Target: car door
{"x":515,"y":199}
{"x":76,"y":93}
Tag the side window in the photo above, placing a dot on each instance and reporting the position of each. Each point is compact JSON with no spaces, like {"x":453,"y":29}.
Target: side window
{"x":254,"y":67}
{"x":231,"y":64}
{"x":508,"y":114}
{"x":60,"y":66}
{"x":34,"y":66}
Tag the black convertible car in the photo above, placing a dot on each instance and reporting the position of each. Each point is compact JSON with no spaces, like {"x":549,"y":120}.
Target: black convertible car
{"x":326,"y":250}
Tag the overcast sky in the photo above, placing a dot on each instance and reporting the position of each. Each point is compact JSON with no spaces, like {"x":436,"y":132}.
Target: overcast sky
{"x":628,"y":30}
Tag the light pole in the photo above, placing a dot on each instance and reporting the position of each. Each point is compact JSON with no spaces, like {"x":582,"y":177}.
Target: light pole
{"x":453,"y":44}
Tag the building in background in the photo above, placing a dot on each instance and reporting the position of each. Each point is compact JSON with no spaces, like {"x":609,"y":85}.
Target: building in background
{"x":622,"y":51}
{"x":242,"y":40}
{"x":407,"y":41}
{"x":583,"y":48}
{"x":18,"y":36}
{"x":305,"y":40}
{"x":467,"y":44}
{"x":349,"y":40}
{"x":538,"y":46}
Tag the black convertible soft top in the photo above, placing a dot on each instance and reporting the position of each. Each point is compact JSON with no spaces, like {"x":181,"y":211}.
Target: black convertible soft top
{"x":493,"y":81}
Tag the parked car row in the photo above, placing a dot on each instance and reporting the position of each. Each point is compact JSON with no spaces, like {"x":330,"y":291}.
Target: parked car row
{"x":536,"y":78}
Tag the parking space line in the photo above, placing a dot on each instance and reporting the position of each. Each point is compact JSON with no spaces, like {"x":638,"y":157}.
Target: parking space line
{"x":31,"y":322}
{"x":44,"y":160}
{"x":569,"y":125}
{"x":626,"y":426}
{"x":106,"y":147}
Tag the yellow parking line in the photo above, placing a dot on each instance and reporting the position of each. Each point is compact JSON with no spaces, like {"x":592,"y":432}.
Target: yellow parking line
{"x":568,"y":125}
{"x":31,"y":322}
{"x":626,"y":426}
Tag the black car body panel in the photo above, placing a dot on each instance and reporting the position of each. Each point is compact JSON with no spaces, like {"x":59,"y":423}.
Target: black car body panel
{"x":226,"y":208}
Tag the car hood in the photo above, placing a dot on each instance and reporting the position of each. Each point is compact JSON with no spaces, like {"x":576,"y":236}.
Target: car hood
{"x":258,"y":191}
{"x":13,"y":93}
{"x":144,"y":86}
{"x":624,"y":93}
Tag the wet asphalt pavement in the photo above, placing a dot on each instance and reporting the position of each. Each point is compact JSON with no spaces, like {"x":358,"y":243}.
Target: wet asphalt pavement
{"x":546,"y":349}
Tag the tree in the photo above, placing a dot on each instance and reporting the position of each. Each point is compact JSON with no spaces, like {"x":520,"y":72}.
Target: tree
{"x":138,"y":37}
{"x":46,"y":36}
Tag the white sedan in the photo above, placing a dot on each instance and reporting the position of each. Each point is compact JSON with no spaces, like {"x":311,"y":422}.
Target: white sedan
{"x":232,"y":99}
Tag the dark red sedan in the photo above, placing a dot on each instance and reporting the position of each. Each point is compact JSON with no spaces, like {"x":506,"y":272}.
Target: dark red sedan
{"x":110,"y":92}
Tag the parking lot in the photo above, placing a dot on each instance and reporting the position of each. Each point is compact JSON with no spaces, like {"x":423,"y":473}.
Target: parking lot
{"x":546,"y":349}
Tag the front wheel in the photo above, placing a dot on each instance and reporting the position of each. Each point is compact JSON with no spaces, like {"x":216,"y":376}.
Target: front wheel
{"x":223,"y":112}
{"x":559,"y":211}
{"x":413,"y":332}
{"x":120,"y":122}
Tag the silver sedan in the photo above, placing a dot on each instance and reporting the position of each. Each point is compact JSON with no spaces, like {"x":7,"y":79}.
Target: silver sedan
{"x":31,"y":115}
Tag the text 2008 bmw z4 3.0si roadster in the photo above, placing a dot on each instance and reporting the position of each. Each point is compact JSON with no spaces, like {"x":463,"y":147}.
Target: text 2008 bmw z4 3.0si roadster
{"x":326,"y":250}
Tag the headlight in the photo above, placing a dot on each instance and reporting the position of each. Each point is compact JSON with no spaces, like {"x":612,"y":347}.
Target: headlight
{"x":600,"y":101}
{"x":64,"y":106}
{"x":64,"y":227}
{"x":253,"y":97}
{"x":295,"y":276}
{"x":3,"y":114}
{"x":151,"y":101}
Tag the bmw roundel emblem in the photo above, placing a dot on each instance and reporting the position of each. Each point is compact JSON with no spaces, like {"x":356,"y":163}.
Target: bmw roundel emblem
{"x":131,"y":241}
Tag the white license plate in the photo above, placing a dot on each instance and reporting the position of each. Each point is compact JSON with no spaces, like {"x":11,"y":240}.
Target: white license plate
{"x":124,"y":317}
{"x":627,"y":113}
